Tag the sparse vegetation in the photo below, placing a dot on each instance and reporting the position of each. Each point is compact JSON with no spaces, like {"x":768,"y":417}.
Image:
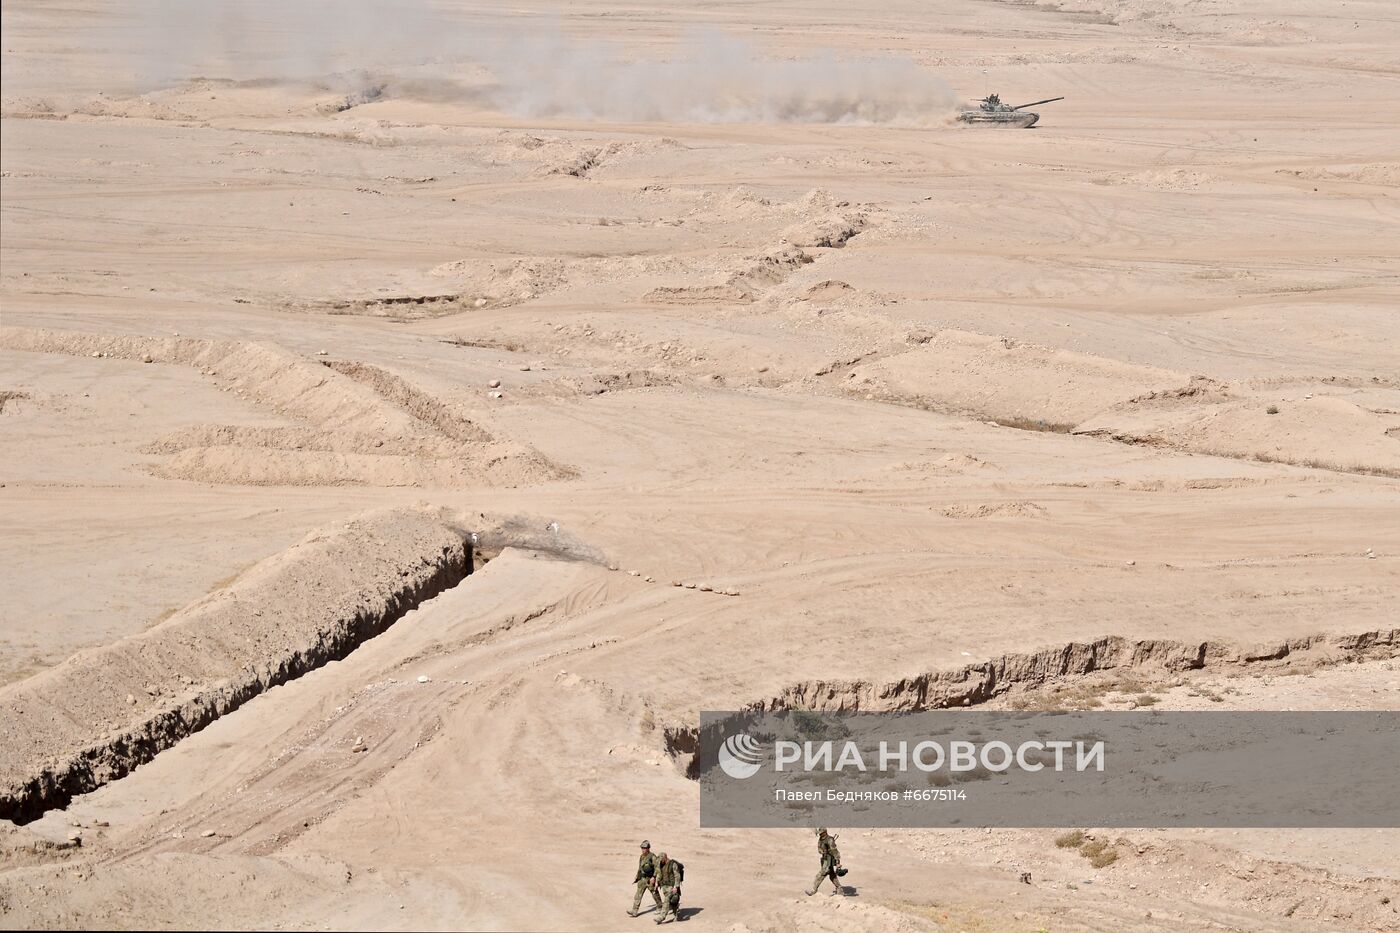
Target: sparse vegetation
{"x":1146,"y":699}
{"x":1097,"y":852}
{"x":510,"y":346}
{"x":1271,"y":410}
{"x":1103,"y":859}
{"x":1200,"y":690}
{"x":1082,"y":695}
{"x":1078,"y":696}
{"x":812,"y":725}
{"x":1312,"y":463}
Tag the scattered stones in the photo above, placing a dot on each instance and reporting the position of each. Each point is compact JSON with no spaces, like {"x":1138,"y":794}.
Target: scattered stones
{"x":497,"y":395}
{"x":423,"y":678}
{"x":147,"y":358}
{"x":131,"y":699}
{"x":323,"y":353}
{"x":494,"y":384}
{"x":207,"y":834}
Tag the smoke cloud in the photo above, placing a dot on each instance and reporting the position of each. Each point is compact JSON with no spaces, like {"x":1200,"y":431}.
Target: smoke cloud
{"x":714,"y":78}
{"x":529,"y":69}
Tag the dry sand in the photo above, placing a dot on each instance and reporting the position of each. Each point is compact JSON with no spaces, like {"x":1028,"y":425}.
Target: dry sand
{"x":744,"y":412}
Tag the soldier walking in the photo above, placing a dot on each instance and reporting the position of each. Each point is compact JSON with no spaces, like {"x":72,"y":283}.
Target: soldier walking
{"x":669,"y":874}
{"x":831,"y":863}
{"x":646,"y":879}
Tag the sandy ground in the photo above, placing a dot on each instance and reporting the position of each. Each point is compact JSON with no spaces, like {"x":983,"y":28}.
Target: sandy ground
{"x":921,"y":395}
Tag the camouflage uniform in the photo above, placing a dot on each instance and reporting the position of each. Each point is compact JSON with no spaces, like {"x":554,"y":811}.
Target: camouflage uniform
{"x":646,"y":881}
{"x":669,"y":874}
{"x":831,"y":860}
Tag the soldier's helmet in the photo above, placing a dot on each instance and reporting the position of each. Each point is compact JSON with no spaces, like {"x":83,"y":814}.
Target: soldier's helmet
{"x":822,"y":831}
{"x":646,"y":844}
{"x":663,"y":857}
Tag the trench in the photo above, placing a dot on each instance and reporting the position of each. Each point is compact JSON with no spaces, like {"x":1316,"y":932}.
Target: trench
{"x":979,"y":683}
{"x":48,"y":782}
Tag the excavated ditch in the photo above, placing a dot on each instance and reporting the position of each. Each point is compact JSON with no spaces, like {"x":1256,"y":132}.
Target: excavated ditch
{"x":976,"y":684}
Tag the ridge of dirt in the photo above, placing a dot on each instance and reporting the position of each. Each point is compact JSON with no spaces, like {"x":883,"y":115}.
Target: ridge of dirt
{"x":978,"y":683}
{"x":366,"y":425}
{"x":422,"y":406}
{"x":974,"y":684}
{"x":94,"y":718}
{"x":268,"y":374}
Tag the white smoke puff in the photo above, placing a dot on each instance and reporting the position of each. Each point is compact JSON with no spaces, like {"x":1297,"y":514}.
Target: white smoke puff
{"x":717,"y":79}
{"x":288,"y":40}
{"x":418,"y":49}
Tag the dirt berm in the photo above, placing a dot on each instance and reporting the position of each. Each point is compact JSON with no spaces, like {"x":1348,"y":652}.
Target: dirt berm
{"x":103,"y":712}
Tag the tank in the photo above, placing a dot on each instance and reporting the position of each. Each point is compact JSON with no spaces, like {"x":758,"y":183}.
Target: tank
{"x":993,"y":112}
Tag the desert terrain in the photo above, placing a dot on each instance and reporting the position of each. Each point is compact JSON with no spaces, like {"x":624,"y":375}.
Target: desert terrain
{"x":412,"y":421}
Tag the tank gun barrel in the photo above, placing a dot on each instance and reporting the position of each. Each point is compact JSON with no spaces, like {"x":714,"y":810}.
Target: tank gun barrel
{"x":1048,"y":100}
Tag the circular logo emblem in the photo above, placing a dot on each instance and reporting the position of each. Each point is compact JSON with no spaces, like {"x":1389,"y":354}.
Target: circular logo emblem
{"x":740,"y":756}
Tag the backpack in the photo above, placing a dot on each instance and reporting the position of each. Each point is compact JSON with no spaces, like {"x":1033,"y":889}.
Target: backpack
{"x":680,"y":871}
